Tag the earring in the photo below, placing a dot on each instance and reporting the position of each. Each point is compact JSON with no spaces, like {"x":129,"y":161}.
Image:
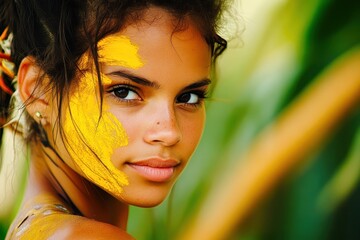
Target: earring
{"x":38,"y":115}
{"x":42,"y":120}
{"x":43,"y":136}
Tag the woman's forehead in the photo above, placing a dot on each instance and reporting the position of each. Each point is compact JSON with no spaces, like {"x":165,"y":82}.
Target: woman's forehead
{"x":161,"y":37}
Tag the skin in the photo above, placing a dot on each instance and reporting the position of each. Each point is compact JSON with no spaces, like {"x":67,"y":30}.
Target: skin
{"x":87,"y":129}
{"x":154,"y":109}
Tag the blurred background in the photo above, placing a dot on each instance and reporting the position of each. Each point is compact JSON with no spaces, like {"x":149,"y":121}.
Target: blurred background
{"x":277,"y":51}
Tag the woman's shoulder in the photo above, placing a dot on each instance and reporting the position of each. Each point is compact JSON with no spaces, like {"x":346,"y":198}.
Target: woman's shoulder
{"x":48,"y":218}
{"x":77,"y":227}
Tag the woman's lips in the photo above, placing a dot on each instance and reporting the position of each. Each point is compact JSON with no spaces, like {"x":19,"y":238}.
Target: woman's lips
{"x":155,"y":170}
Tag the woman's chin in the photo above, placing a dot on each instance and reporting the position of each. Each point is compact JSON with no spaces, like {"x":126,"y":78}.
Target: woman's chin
{"x":144,"y":197}
{"x":145,"y":202}
{"x":148,"y":204}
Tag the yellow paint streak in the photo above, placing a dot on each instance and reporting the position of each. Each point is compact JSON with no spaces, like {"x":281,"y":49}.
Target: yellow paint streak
{"x":91,"y":139}
{"x":118,"y":50}
{"x":39,"y":219}
{"x":44,"y":227}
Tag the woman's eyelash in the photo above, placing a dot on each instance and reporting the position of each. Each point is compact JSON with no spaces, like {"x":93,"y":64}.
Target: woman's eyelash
{"x":202,"y":93}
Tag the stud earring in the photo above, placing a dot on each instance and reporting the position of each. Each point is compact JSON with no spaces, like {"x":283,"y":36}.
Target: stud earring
{"x":38,"y":115}
{"x":43,"y":136}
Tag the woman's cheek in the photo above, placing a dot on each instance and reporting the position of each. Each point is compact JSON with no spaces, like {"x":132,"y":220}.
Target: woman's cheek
{"x":93,"y":136}
{"x":194,"y":127}
{"x":91,"y":139}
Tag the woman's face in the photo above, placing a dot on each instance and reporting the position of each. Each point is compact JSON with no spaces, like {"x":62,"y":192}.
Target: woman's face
{"x":152,"y":117}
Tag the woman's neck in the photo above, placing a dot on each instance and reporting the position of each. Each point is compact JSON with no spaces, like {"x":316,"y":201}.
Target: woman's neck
{"x":50,"y":175}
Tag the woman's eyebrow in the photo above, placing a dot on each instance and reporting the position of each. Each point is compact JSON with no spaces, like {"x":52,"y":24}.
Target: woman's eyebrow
{"x":201,"y":83}
{"x":145,"y":82}
{"x":135,"y":78}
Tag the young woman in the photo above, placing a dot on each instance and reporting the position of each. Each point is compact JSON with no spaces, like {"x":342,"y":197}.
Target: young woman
{"x":113,"y":94}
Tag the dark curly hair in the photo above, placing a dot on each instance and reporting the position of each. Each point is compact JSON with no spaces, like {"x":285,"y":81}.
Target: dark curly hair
{"x":57,"y":33}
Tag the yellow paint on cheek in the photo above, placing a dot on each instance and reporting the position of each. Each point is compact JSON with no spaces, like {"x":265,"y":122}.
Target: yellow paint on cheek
{"x":118,"y":50}
{"x":93,"y":136}
{"x":91,"y":139}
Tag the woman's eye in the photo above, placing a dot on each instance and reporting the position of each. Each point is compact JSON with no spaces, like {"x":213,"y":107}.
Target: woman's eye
{"x":191,"y":98}
{"x":125,"y":93}
{"x":188,"y":98}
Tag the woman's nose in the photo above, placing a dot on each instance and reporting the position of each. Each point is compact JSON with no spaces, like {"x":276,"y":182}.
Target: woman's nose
{"x":163,"y":128}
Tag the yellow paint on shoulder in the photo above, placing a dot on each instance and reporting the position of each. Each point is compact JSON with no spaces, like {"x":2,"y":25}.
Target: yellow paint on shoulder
{"x":39,"y":219}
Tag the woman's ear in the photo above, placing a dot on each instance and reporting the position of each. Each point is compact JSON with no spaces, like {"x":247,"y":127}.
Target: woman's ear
{"x":31,"y":89}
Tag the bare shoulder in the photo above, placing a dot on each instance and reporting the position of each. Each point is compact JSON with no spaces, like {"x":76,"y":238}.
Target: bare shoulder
{"x":47,"y":218}
{"x":76,"y":227}
{"x":66,"y":226}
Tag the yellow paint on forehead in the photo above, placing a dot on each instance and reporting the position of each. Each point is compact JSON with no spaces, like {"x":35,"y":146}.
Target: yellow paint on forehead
{"x":118,"y":50}
{"x":92,"y":136}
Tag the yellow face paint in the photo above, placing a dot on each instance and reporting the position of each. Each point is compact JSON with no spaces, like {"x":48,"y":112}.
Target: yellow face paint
{"x":93,"y":136}
{"x":118,"y":50}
